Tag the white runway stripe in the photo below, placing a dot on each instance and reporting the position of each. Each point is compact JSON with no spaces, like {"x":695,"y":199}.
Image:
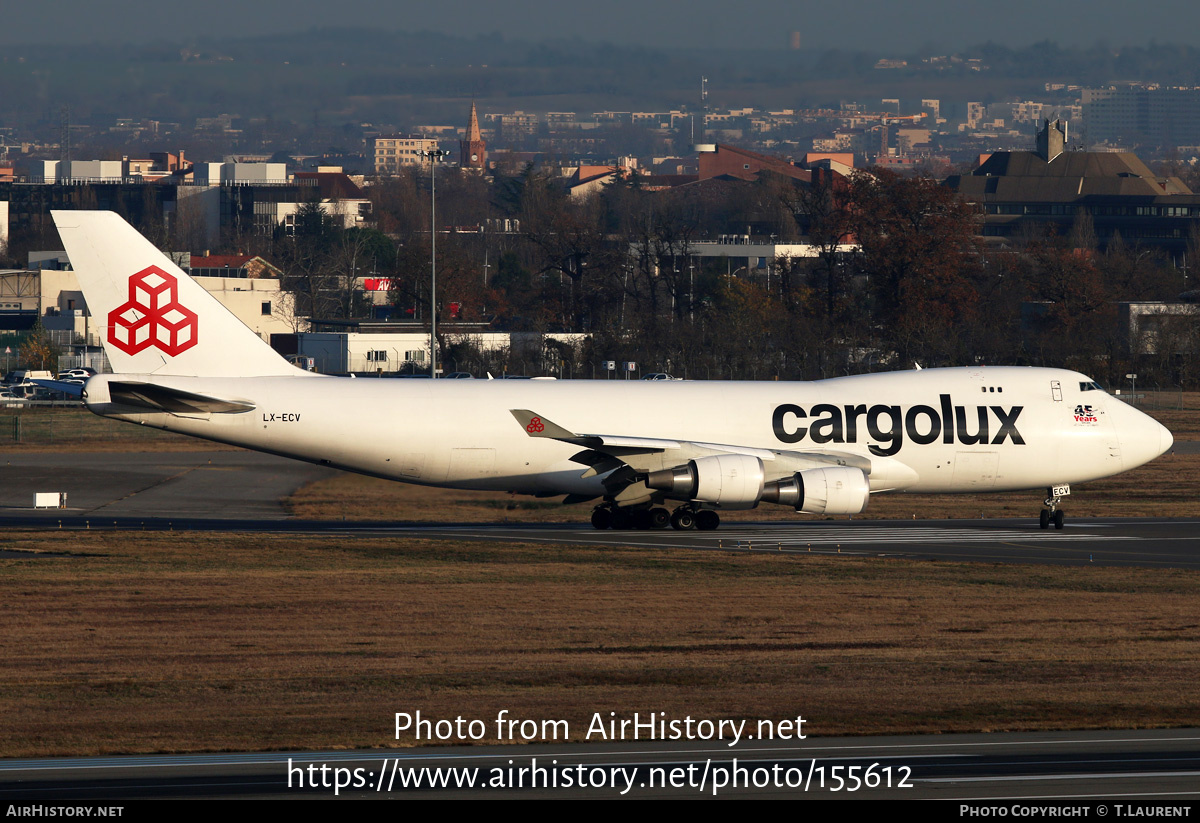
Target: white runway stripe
{"x":892,"y":535}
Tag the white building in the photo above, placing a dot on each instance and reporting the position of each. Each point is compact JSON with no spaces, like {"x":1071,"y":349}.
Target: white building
{"x":393,"y":152}
{"x":387,"y":352}
{"x":235,"y":174}
{"x":79,"y":171}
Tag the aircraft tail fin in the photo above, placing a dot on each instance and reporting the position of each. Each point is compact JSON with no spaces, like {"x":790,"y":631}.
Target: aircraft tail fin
{"x":154,"y":318}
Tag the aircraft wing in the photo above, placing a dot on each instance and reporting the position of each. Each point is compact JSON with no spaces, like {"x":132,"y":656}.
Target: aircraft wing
{"x":629,"y":459}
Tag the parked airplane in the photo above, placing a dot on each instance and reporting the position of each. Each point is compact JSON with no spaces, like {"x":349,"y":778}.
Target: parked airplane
{"x":184,"y":363}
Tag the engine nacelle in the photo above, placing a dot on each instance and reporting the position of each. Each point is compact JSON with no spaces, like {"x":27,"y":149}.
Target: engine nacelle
{"x":732,"y":481}
{"x":833,"y":490}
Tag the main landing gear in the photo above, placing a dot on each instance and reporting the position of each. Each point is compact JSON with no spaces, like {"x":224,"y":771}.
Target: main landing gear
{"x":608,"y":516}
{"x":1053,"y":514}
{"x":689,"y":517}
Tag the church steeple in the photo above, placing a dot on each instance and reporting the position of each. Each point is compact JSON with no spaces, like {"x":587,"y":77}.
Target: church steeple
{"x":472,"y":152}
{"x":473,"y":135}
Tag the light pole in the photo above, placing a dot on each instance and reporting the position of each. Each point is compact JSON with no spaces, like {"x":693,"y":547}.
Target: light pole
{"x":434,"y":156}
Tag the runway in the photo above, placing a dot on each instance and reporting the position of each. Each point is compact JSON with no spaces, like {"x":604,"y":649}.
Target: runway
{"x":1075,"y":768}
{"x":183,"y":491}
{"x":1110,"y":542}
{"x":1125,"y":542}
{"x":239,"y":484}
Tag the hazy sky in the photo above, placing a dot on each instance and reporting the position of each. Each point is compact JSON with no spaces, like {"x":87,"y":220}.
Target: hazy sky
{"x":899,"y":25}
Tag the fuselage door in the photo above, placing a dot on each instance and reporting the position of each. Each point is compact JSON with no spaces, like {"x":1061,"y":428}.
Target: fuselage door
{"x":975,"y":470}
{"x":1056,"y":391}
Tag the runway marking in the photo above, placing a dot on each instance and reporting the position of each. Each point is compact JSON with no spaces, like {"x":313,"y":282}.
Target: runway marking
{"x":792,"y":538}
{"x":917,"y":535}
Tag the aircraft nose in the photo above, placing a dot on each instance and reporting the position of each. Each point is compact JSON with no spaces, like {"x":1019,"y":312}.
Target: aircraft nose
{"x":1142,"y":437}
{"x":1165,"y":439}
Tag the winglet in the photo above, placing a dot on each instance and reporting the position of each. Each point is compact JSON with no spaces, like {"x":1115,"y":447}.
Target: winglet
{"x":537,"y":426}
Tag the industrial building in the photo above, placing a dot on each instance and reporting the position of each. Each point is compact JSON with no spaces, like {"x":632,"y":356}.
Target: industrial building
{"x":1035,"y":193}
{"x":1142,"y":114}
{"x":201,"y":205}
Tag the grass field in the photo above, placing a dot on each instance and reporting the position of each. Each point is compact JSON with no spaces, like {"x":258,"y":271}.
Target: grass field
{"x":144,"y":643}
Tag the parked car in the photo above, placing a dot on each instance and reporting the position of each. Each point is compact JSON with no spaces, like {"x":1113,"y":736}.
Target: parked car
{"x":657,"y":375}
{"x":459,"y":375}
{"x":16,"y":378}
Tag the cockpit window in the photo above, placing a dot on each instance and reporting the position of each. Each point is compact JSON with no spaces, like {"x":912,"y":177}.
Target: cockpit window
{"x":1089,"y":386}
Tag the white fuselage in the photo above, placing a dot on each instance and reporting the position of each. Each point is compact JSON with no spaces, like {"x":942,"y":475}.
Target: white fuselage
{"x":1043,"y":426}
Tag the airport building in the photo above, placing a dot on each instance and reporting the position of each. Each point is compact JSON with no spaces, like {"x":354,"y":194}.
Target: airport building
{"x":387,"y":348}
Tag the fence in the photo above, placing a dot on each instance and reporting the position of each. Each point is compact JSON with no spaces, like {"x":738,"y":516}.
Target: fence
{"x":1162,"y":398}
{"x":45,"y":423}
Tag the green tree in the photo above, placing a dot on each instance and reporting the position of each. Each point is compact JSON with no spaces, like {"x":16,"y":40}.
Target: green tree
{"x":38,"y":352}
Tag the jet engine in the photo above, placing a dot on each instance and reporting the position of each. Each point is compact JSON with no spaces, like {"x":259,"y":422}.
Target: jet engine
{"x":833,"y":490}
{"x":732,"y":481}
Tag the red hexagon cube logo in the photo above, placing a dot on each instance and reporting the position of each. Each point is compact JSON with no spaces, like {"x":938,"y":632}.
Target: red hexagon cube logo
{"x":129,"y":328}
{"x":153,"y":316}
{"x":176,"y":329}
{"x":154,"y":289}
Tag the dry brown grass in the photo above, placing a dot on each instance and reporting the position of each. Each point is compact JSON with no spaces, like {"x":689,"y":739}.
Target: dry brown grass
{"x":205,"y":642}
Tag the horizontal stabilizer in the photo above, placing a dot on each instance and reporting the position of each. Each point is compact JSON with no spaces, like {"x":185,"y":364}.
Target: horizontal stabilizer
{"x":163,"y":399}
{"x":73,"y":389}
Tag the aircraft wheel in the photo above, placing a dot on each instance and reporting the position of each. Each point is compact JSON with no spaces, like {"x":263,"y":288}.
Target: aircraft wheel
{"x":641,"y":519}
{"x":660,"y":518}
{"x":1044,"y":519}
{"x":707,"y":520}
{"x":621,"y":520}
{"x":683,"y":520}
{"x":1057,"y":517}
{"x":601,"y":519}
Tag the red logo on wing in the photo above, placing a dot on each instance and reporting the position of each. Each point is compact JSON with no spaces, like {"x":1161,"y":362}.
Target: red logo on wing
{"x":152,"y":316}
{"x":535,"y":425}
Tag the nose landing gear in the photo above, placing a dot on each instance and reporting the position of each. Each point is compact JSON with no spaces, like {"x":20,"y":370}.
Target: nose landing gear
{"x":1052,"y":514}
